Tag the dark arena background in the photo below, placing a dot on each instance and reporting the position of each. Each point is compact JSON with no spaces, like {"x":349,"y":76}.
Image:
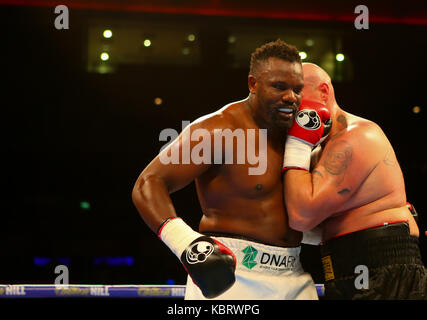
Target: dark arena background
{"x":82,"y":111}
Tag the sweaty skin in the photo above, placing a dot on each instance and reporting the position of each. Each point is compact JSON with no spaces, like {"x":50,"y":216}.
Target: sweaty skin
{"x":231,"y":200}
{"x":355,"y":181}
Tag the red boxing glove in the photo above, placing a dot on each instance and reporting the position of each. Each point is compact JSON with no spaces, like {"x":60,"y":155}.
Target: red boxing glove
{"x":311,"y":126}
{"x":312,"y":123}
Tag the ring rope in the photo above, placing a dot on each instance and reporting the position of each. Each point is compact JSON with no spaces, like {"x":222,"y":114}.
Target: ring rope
{"x":99,"y":291}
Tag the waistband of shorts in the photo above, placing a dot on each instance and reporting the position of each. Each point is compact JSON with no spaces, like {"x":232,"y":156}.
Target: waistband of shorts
{"x":241,"y":237}
{"x":388,"y":244}
{"x":254,"y":256}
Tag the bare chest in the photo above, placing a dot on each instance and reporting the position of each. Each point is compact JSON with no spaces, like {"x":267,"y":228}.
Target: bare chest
{"x":257,"y":177}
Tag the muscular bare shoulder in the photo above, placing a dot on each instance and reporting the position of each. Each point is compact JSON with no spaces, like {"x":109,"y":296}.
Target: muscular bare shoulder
{"x":228,"y":117}
{"x":351,"y":155}
{"x":363,"y":144}
{"x":368,"y":137}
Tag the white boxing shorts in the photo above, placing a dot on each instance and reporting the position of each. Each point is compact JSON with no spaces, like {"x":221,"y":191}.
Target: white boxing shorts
{"x":263,"y":272}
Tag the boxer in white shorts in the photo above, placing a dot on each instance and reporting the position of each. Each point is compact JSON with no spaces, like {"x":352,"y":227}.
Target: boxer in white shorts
{"x":243,"y":198}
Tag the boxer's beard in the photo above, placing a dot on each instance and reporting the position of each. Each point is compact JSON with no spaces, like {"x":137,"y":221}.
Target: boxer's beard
{"x":278,"y":121}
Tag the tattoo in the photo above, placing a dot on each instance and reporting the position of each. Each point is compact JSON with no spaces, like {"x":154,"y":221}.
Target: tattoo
{"x":342,"y":120}
{"x":344,"y":191}
{"x":316,"y":177}
{"x":342,"y":124}
{"x":388,"y":160}
{"x":258,"y":186}
{"x":338,"y":157}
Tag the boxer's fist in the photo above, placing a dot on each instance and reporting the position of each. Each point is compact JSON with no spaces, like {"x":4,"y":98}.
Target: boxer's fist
{"x":312,"y":123}
{"x":211,"y":265}
{"x":311,"y":126}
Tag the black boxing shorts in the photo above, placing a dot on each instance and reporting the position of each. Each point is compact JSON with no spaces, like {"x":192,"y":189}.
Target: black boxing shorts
{"x":379,"y":263}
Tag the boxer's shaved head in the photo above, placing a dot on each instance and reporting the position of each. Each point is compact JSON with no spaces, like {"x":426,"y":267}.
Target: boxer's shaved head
{"x":314,"y":75}
{"x":317,"y":83}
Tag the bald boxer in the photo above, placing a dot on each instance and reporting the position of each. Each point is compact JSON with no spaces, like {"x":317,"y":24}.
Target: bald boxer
{"x":353,"y":190}
{"x":244,"y":248}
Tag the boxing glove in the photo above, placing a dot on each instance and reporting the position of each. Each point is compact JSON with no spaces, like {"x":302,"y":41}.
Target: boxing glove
{"x":311,"y":126}
{"x":209,"y":263}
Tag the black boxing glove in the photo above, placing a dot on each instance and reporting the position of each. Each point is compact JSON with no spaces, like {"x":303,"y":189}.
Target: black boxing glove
{"x":210,"y":264}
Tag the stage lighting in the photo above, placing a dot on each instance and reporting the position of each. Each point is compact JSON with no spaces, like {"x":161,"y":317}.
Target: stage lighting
{"x":191,"y":37}
{"x":104,"y":56}
{"x":84,"y":205}
{"x":339,"y":57}
{"x":185,"y":51}
{"x":303,"y":55}
{"x":309,"y":42}
{"x":107,"y":34}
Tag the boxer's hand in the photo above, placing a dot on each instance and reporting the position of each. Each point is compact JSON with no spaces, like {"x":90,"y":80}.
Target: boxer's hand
{"x":312,"y":123}
{"x":311,"y":126}
{"x":210,"y":264}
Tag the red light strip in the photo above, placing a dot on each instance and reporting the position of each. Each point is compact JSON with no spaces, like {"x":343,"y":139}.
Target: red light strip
{"x":224,"y":12}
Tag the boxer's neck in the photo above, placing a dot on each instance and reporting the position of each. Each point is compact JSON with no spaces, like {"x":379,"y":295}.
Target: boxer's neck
{"x":339,"y":120}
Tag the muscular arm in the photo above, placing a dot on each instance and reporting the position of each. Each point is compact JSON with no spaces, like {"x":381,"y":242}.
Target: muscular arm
{"x":311,"y":197}
{"x":158,"y":180}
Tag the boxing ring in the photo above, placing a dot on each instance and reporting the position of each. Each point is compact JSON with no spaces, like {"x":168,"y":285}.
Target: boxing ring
{"x":99,"y":291}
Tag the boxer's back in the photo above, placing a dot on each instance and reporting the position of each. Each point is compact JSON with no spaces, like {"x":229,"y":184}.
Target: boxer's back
{"x":372,"y":175}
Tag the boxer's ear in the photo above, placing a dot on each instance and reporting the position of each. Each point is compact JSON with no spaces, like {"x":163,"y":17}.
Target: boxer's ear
{"x":324,"y":91}
{"x":252,"y":84}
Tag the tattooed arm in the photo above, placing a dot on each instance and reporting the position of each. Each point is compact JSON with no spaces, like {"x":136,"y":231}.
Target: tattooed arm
{"x":346,"y":161}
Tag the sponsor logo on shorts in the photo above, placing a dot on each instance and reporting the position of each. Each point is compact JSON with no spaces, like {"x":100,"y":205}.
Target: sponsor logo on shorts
{"x":267,"y":261}
{"x":249,"y":258}
{"x":327,"y":268}
{"x":277,"y":262}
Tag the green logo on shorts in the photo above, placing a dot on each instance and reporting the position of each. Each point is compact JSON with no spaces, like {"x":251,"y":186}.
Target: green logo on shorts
{"x":249,"y":258}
